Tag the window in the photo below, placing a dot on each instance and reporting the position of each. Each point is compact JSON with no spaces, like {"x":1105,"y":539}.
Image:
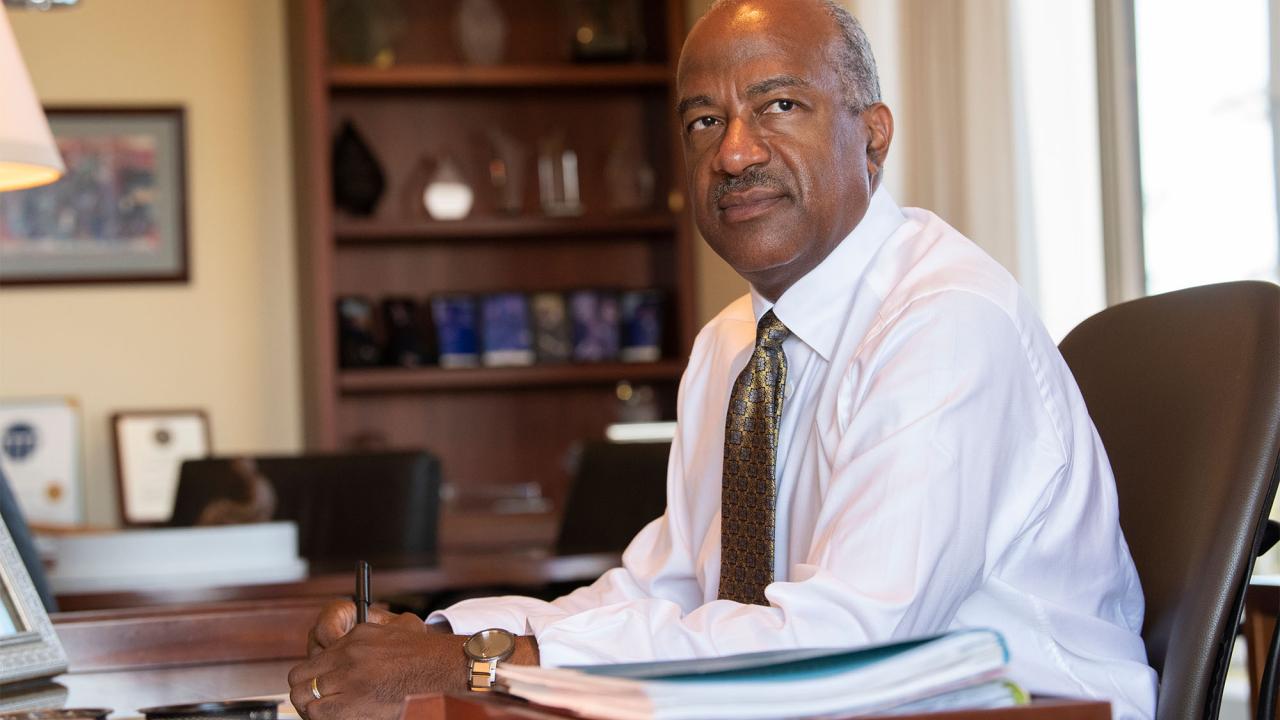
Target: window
{"x":1206,"y":140}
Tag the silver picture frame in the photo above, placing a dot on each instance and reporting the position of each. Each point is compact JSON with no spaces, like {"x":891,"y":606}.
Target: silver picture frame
{"x":29,"y":648}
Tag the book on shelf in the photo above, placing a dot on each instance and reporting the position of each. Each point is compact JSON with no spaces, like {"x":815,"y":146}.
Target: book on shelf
{"x":957,"y":670}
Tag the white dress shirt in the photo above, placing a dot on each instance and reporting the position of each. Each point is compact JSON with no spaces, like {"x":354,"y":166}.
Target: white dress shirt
{"x":937,"y":469}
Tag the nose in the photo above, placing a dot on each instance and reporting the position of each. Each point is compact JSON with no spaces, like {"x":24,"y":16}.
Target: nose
{"x":741,"y":147}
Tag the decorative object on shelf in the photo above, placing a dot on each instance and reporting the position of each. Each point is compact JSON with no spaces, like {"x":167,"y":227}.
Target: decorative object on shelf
{"x":552,"y":334}
{"x":29,"y":648}
{"x":506,"y":172}
{"x":408,"y":331}
{"x":358,"y":180}
{"x":357,"y":345}
{"x":364,"y":32}
{"x":40,"y":456}
{"x":558,"y":177}
{"x":641,"y":326}
{"x":118,"y":215}
{"x":481,"y":31}
{"x":456,"y":331}
{"x":150,"y":447}
{"x":605,"y":30}
{"x":637,"y":403}
{"x":447,"y":196}
{"x":508,"y":338}
{"x":629,"y":177}
{"x":594,"y":314}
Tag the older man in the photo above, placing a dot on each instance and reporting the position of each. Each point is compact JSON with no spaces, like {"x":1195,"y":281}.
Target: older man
{"x":879,"y":441}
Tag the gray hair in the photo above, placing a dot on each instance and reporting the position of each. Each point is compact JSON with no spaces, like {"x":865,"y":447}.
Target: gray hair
{"x":855,"y":62}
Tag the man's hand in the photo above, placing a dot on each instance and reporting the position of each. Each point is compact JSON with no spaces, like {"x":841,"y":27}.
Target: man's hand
{"x":367,"y":671}
{"x":336,"y":620}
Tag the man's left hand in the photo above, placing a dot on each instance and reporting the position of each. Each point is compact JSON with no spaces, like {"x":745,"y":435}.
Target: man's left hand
{"x":368,"y":672}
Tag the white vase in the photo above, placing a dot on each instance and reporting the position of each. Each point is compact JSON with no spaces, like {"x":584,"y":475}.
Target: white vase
{"x":481,"y":30}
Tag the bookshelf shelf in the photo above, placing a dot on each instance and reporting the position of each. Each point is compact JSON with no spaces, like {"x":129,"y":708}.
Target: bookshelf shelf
{"x":390,"y":380}
{"x":374,"y":231}
{"x":445,"y":77}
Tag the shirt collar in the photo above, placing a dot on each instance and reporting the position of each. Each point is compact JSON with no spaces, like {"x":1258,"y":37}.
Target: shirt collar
{"x":813,"y":307}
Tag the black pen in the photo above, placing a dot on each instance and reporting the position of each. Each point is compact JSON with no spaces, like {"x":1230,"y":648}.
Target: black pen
{"x":362,"y":591}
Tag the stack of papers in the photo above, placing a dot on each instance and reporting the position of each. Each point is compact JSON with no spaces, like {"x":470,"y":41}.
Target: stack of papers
{"x":958,"y":670}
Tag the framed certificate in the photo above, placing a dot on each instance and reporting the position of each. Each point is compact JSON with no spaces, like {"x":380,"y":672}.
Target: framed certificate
{"x":40,"y":456}
{"x":150,"y":449}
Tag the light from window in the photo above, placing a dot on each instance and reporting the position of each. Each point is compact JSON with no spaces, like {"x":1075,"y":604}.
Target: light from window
{"x":1208,"y":172}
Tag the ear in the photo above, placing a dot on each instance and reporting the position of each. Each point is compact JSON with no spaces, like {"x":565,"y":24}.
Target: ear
{"x":879,"y":123}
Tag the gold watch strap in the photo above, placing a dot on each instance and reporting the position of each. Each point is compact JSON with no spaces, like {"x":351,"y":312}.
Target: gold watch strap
{"x":483,"y":675}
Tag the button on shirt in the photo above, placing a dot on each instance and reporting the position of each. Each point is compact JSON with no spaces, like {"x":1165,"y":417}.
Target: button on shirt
{"x":937,"y":469}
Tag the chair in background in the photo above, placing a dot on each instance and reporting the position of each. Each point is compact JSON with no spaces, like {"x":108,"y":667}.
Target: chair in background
{"x":1185,"y":391}
{"x":379,"y":506}
{"x":617,"y":489}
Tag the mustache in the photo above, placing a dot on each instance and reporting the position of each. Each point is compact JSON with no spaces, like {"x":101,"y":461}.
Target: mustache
{"x":754,"y":177}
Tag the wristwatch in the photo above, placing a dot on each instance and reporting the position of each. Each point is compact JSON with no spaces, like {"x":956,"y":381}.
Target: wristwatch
{"x":484,"y":651}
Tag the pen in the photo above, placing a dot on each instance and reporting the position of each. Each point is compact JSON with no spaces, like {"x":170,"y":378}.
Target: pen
{"x":362,"y":591}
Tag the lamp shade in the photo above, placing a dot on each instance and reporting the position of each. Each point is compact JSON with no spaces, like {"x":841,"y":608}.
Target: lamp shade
{"x":28,"y":155}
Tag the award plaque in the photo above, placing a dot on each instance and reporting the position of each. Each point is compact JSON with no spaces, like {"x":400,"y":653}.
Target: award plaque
{"x":508,"y":338}
{"x":595,"y":325}
{"x":150,"y":449}
{"x":456,"y":330}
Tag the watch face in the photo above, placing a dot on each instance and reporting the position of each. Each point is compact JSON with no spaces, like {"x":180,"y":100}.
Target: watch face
{"x":488,"y":644}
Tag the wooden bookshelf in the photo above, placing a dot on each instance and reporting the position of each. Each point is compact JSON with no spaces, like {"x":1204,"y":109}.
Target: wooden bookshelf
{"x":488,"y":425}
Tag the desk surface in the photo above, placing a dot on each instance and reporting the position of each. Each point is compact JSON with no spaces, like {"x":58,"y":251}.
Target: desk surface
{"x":453,"y":707}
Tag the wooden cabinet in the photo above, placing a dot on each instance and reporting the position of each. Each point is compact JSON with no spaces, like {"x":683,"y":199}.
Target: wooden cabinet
{"x":425,"y":103}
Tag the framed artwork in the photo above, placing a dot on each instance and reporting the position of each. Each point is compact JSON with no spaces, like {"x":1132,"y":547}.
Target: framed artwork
{"x":40,"y":456}
{"x":29,"y":648}
{"x":150,"y":448}
{"x":120,"y":212}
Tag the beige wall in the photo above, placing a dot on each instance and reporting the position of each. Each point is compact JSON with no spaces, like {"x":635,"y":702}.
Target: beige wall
{"x":226,"y":342}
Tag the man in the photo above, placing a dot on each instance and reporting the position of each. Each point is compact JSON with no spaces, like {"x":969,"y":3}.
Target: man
{"x":905,"y":451}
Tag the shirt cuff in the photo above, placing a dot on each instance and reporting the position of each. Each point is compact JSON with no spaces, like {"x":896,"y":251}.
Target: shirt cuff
{"x":510,"y":613}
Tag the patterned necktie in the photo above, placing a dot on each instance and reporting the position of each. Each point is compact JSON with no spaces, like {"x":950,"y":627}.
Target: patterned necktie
{"x":748,"y":488}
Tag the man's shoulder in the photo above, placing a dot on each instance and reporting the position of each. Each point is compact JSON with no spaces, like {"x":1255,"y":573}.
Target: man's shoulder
{"x":932,"y":263}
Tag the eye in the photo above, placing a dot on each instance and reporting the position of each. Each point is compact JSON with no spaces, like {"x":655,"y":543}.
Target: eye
{"x":780,"y":106}
{"x":702,"y":123}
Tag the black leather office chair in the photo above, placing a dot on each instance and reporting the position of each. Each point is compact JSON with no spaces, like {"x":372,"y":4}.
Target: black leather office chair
{"x":617,"y":489}
{"x":378,"y":506}
{"x":1185,"y":391}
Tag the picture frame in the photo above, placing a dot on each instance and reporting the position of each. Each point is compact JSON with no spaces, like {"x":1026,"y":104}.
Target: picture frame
{"x":40,"y":446}
{"x":29,"y":647}
{"x":118,"y":215}
{"x":150,"y":447}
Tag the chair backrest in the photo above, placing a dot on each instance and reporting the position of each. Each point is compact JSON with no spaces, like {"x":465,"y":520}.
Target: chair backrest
{"x":1184,"y":389}
{"x":378,"y":506}
{"x":617,"y":489}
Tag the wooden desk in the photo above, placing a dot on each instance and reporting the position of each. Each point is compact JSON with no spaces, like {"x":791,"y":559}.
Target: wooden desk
{"x":453,"y":707}
{"x":129,"y":659}
{"x":455,"y":572}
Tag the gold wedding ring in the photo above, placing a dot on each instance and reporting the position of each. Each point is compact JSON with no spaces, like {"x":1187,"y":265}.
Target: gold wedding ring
{"x":315,"y":687}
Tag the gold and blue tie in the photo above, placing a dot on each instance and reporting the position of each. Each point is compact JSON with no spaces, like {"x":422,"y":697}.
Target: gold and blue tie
{"x":748,"y":490}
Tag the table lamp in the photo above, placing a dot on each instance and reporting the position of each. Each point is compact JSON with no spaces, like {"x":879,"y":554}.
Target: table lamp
{"x":28,"y":155}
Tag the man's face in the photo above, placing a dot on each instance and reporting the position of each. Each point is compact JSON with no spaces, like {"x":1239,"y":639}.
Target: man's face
{"x":776,"y":161}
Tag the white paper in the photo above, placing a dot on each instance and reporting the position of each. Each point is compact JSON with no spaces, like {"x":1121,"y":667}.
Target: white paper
{"x":39,"y":455}
{"x":152,"y":449}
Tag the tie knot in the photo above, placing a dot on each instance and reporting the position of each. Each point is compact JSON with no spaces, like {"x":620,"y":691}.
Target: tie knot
{"x":771,"y":332}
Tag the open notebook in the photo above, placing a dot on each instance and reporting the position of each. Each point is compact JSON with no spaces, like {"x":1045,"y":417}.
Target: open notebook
{"x":962,"y":669}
